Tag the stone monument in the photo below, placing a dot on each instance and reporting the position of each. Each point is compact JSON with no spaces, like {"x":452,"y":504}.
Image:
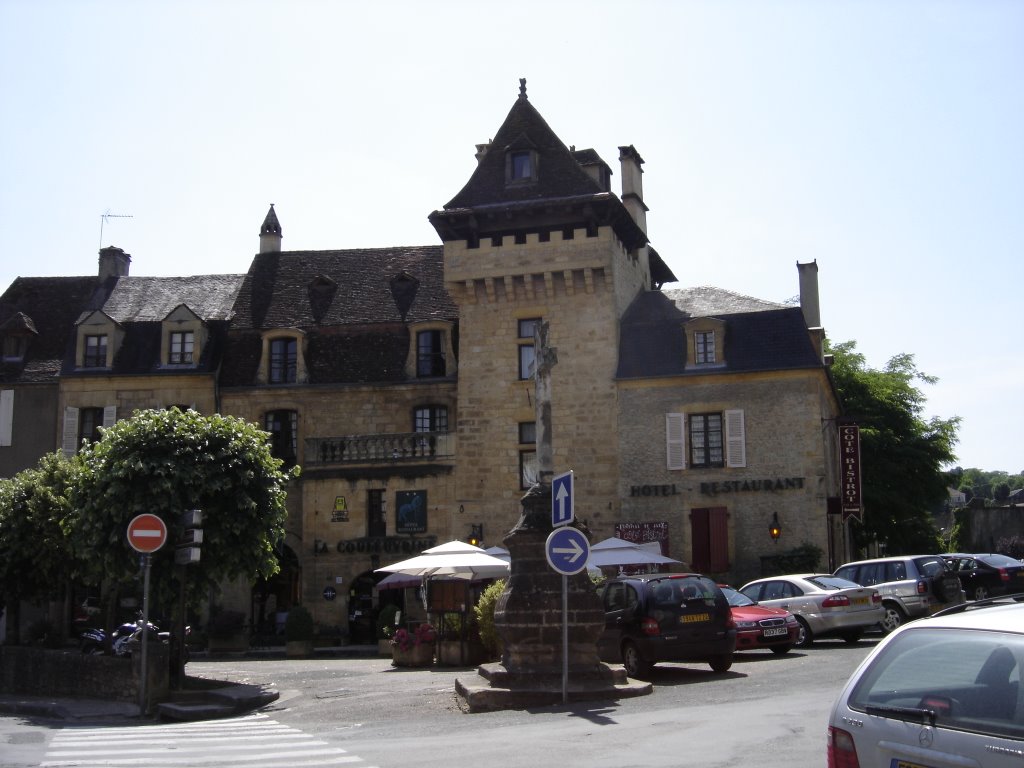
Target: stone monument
{"x":528,"y":615}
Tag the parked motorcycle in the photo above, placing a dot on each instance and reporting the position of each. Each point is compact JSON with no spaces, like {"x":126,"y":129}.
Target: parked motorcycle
{"x":121,"y":641}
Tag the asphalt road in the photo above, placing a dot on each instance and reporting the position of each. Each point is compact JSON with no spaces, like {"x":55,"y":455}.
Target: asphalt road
{"x":767,"y":710}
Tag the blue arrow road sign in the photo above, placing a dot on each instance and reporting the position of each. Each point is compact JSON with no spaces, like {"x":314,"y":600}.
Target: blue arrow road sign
{"x":562,"y":499}
{"x":567,"y":550}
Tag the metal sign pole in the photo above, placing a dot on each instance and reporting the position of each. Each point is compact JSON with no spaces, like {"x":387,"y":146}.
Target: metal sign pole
{"x":565,"y":639}
{"x":145,"y":629}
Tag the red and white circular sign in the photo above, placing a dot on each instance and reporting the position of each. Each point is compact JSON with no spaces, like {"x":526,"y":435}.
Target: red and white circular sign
{"x":147,"y":533}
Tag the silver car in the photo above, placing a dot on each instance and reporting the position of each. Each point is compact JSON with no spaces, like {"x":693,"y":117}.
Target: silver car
{"x":825,"y":605}
{"x":942,"y":691}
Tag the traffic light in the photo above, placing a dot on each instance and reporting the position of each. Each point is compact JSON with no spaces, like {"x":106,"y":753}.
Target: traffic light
{"x":476,"y":535}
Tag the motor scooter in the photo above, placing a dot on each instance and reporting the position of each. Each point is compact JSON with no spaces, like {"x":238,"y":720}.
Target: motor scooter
{"x":120,"y":642}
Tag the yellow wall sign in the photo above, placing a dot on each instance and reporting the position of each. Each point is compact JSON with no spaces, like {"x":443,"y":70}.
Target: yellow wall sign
{"x":339,"y":504}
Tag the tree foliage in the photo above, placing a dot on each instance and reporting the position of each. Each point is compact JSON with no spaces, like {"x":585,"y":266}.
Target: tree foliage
{"x":34,"y":554}
{"x":981,"y":484}
{"x":165,"y":462}
{"x":902,"y":454}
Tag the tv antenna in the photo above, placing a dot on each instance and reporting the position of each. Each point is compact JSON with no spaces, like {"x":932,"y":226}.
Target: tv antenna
{"x":109,"y":215}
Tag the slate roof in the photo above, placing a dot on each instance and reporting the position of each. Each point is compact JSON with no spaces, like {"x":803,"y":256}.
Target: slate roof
{"x":49,"y":306}
{"x":139,"y":306}
{"x":151,"y":299}
{"x":759,"y":335}
{"x":352,"y":304}
{"x":563,"y":193}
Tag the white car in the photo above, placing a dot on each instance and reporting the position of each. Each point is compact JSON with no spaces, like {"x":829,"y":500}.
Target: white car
{"x":825,"y":605}
{"x":939,"y":692}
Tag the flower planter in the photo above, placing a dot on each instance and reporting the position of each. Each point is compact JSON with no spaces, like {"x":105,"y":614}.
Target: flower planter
{"x":421,"y":655}
{"x":460,"y":653}
{"x":384,"y":648}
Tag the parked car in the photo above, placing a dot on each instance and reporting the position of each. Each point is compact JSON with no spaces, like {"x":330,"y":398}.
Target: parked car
{"x":942,"y":691}
{"x":987,"y":575}
{"x":758,"y":626}
{"x":824,"y":605}
{"x":671,"y":617}
{"x":911,"y":586}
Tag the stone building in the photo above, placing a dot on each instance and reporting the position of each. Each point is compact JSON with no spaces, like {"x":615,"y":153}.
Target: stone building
{"x":400,"y":379}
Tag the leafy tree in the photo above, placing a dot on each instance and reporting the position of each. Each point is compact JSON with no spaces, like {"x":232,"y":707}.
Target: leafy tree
{"x":34,"y":552}
{"x":166,"y":462}
{"x":901,"y":454}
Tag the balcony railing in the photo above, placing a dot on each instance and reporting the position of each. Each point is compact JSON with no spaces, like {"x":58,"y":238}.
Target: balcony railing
{"x":354,"y":449}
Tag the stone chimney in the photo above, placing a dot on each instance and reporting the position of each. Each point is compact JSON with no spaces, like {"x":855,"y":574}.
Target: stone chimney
{"x":633,"y":185}
{"x":114,"y":262}
{"x":270,"y":233}
{"x":809,"y":304}
{"x":482,"y":150}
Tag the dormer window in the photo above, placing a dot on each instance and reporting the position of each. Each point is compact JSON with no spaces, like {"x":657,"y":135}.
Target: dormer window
{"x":705,"y":342}
{"x":284,"y":361}
{"x":704,"y":347}
{"x":520,"y":166}
{"x":14,"y":348}
{"x":431,"y":352}
{"x":95,"y":352}
{"x":182,"y":347}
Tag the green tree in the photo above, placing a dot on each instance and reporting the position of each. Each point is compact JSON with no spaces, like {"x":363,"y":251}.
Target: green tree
{"x":35,"y":559}
{"x":902,"y":455}
{"x":166,"y":462}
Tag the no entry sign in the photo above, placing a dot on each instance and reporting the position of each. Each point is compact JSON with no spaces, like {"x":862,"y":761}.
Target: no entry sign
{"x":146,"y":533}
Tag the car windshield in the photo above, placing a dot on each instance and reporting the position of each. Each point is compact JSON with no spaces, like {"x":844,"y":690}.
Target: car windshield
{"x":736,"y":599}
{"x":831,"y":583}
{"x":958,"y":679}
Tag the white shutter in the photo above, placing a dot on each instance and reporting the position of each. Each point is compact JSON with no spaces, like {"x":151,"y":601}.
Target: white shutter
{"x":6,"y":416}
{"x":69,"y":439}
{"x":735,"y":440}
{"x":109,"y":416}
{"x":675,"y":440}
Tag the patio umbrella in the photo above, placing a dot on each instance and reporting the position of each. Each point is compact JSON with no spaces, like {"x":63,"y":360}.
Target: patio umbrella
{"x":455,"y":559}
{"x":615,"y":552}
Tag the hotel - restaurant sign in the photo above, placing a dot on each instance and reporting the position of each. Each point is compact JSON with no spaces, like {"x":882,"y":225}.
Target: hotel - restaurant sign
{"x":759,"y":485}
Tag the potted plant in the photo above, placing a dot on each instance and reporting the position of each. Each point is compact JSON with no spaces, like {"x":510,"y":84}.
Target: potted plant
{"x":386,"y":621}
{"x":298,"y":632}
{"x":413,"y":649}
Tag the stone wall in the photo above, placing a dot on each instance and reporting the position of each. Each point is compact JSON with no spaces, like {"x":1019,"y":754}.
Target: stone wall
{"x":46,"y":672}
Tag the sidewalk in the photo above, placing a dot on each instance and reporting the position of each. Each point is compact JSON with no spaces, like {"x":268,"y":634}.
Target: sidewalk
{"x":222,"y":701}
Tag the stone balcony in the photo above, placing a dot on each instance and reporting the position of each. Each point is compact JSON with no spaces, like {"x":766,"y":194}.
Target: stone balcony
{"x":380,"y":449}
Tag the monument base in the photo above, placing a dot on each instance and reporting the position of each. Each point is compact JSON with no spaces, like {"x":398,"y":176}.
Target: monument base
{"x":495,"y":688}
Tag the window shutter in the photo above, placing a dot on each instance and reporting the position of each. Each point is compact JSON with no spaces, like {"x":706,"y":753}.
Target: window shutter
{"x":69,"y":439}
{"x":675,"y":440}
{"x":6,"y":416}
{"x":700,"y":555}
{"x":718,"y":543}
{"x":109,"y":416}
{"x":735,"y":439}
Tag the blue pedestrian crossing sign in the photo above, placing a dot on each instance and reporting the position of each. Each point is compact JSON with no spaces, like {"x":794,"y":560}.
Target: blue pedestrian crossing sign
{"x":562,"y":499}
{"x":567,"y":550}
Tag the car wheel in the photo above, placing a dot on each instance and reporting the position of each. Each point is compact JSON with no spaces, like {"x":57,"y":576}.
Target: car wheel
{"x":633,"y":662}
{"x":804,"y":637}
{"x":980,"y":593}
{"x":781,"y":650}
{"x":853,"y":636}
{"x":894,"y":617}
{"x":721,"y":663}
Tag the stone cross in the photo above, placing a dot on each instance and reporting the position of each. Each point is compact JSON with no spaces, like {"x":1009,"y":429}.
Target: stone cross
{"x":545,"y":358}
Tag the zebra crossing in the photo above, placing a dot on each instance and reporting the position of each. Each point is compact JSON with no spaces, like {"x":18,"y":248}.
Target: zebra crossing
{"x":255,"y":741}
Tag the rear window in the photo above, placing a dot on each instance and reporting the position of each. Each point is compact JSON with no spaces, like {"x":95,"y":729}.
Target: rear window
{"x":832,"y":582}
{"x":931,"y":566}
{"x":967,"y":679}
{"x":1001,"y":561}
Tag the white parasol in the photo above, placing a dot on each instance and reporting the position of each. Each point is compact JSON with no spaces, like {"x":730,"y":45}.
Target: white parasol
{"x":455,"y":559}
{"x":615,"y":552}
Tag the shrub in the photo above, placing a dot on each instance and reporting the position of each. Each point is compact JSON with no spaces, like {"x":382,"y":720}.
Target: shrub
{"x":484,"y":610}
{"x":386,"y":622}
{"x":299,"y":624}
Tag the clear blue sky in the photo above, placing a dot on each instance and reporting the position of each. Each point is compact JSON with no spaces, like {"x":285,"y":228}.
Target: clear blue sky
{"x":883,"y":139}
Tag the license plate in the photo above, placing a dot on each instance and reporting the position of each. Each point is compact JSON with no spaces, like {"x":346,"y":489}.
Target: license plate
{"x":775,"y":631}
{"x":897,"y":763}
{"x":693,"y":618}
{"x":860,"y":601}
